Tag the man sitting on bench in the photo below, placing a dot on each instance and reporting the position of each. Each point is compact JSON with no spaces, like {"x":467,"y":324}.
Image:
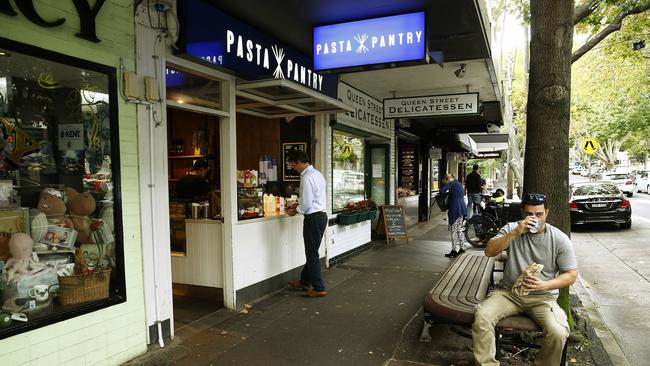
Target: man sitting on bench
{"x":527,"y":241}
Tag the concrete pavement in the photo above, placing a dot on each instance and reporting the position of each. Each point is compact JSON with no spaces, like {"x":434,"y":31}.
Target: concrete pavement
{"x":372,"y":316}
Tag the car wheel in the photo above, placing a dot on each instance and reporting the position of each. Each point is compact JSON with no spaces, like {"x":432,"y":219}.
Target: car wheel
{"x":647,"y":189}
{"x":626,"y":225}
{"x":629,"y":194}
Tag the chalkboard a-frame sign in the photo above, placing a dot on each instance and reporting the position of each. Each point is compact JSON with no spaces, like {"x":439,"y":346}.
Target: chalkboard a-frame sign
{"x":392,"y":223}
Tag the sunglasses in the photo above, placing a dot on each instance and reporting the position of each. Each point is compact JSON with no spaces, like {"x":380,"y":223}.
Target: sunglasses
{"x":535,"y":197}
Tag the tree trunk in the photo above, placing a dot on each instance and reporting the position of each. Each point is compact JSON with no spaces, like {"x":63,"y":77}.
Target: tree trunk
{"x":547,"y":123}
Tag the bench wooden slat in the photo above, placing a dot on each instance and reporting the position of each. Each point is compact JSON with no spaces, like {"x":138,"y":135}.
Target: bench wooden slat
{"x":463,"y":286}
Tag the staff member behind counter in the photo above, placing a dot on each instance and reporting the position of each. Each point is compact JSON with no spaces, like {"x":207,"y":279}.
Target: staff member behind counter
{"x":194,"y":184}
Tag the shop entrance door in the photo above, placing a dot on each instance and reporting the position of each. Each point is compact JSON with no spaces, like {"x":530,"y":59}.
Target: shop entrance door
{"x":377,"y":179}
{"x":194,"y":120}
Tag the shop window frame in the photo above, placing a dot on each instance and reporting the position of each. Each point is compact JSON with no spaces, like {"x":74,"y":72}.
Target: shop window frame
{"x":117,"y":296}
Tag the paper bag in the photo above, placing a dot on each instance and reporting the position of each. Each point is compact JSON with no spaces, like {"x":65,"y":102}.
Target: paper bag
{"x":533,"y":270}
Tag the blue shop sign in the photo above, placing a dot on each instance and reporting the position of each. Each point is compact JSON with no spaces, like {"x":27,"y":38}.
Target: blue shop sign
{"x":214,"y":36}
{"x":373,"y":41}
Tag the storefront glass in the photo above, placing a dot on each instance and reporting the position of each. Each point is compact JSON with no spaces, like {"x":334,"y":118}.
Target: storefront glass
{"x":60,"y":253}
{"x":186,"y":88}
{"x":347,"y":169}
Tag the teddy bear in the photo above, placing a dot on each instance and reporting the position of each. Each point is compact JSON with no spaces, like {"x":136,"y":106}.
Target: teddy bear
{"x":80,"y":206}
{"x":21,"y":261}
{"x":51,"y":211}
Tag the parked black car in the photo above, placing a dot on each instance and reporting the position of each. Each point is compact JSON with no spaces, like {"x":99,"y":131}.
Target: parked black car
{"x":599,"y":202}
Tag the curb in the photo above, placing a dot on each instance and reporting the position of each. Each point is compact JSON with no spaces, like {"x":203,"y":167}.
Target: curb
{"x":603,"y":332}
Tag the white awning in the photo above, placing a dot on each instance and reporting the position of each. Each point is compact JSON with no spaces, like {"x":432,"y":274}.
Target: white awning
{"x":490,"y":141}
{"x":467,"y":143}
{"x":273,"y":98}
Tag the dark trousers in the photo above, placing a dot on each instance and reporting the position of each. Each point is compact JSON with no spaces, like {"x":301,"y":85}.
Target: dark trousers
{"x":312,"y":232}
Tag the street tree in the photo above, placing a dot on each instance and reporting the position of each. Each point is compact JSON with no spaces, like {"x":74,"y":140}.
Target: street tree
{"x":595,"y":19}
{"x":549,"y":95}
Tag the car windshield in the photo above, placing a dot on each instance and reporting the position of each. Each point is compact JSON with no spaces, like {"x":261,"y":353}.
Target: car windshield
{"x":595,"y":190}
{"x":615,"y":176}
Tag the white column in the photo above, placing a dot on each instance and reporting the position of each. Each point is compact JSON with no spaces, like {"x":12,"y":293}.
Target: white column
{"x":154,"y":195}
{"x":228,"y":142}
{"x":323,"y":162}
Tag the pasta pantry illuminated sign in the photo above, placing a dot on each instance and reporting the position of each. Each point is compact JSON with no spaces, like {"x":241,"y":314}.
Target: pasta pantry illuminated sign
{"x":372,"y":41}
{"x":214,"y":36}
{"x":432,"y":105}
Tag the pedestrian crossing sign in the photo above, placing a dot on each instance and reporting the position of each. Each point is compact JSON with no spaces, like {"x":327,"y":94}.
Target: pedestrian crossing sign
{"x":346,"y":151}
{"x":589,"y":146}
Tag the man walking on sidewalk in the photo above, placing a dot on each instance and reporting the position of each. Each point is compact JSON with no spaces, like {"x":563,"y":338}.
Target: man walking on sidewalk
{"x":527,"y":241}
{"x":311,"y":204}
{"x":473,"y":189}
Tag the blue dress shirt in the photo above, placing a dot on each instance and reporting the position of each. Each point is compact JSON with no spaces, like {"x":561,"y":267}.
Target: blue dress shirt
{"x":312,"y":192}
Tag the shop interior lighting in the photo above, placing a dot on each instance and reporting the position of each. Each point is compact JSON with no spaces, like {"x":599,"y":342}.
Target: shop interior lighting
{"x":3,"y":53}
{"x":180,"y":101}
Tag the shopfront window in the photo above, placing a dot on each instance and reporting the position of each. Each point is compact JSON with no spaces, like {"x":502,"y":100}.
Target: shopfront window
{"x":347,"y":169}
{"x":60,"y":228}
{"x":185,"y":88}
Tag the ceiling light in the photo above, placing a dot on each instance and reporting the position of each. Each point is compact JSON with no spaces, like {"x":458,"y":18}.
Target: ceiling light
{"x":460,"y":72}
{"x":180,"y":101}
{"x":3,"y":53}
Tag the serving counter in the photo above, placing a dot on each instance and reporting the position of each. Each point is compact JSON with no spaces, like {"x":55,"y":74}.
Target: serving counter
{"x":201,"y":264}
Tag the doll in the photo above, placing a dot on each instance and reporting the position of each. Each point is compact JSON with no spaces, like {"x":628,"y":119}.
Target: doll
{"x":81,"y":206}
{"x":21,"y":261}
{"x":52,"y":210}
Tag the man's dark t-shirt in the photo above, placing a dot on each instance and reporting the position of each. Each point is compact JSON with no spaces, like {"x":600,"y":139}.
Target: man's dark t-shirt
{"x":192,"y":186}
{"x":473,"y":182}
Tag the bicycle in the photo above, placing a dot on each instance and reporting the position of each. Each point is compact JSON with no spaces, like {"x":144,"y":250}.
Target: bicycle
{"x":483,"y":226}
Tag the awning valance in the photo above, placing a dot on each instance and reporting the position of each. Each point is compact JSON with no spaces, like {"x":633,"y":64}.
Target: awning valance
{"x":273,"y":98}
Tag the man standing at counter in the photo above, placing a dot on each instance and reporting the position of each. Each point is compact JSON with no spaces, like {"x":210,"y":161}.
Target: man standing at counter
{"x":311,"y":204}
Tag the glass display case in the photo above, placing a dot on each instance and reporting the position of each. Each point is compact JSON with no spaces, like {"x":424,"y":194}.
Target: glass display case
{"x":250,"y":202}
{"x":348,"y":176}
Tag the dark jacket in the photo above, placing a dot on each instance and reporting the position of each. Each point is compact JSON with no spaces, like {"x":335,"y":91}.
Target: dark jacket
{"x":191,"y":186}
{"x":473,"y":182}
{"x":456,"y":202}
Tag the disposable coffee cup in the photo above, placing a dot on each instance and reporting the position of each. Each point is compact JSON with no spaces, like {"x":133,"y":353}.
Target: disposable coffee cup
{"x":535,"y":228}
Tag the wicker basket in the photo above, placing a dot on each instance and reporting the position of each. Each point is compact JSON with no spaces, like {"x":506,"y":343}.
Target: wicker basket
{"x":80,"y":288}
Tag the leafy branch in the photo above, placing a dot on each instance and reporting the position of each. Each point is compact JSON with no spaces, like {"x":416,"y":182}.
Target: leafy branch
{"x":584,"y":10}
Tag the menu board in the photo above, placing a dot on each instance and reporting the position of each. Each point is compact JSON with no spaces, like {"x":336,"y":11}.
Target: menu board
{"x":289,"y":173}
{"x":392,"y":223}
{"x":408,"y":166}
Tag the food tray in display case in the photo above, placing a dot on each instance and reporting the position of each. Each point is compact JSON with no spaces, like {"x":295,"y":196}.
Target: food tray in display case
{"x":250,"y":202}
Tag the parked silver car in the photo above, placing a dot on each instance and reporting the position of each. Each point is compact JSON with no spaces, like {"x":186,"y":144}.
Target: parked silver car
{"x":622,"y":180}
{"x":643,"y":181}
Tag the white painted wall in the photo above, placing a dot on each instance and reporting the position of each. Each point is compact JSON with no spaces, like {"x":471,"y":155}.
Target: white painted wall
{"x":154,"y":195}
{"x":116,"y":334}
{"x":267,"y":248}
{"x":347,"y":237}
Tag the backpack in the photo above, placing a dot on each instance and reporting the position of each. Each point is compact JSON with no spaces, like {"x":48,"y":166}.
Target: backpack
{"x":442,"y":200}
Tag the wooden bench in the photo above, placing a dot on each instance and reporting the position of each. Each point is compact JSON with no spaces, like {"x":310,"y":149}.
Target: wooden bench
{"x":463,"y":285}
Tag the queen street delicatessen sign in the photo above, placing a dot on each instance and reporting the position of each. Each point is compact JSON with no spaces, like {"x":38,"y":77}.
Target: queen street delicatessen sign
{"x":431,"y":106}
{"x":368,"y":112}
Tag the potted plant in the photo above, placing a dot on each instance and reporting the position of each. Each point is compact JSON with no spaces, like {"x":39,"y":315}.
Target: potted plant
{"x":358,"y":211}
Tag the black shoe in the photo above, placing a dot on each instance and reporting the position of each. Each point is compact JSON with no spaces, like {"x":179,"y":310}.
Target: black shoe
{"x":460,"y":252}
{"x":451,"y":254}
